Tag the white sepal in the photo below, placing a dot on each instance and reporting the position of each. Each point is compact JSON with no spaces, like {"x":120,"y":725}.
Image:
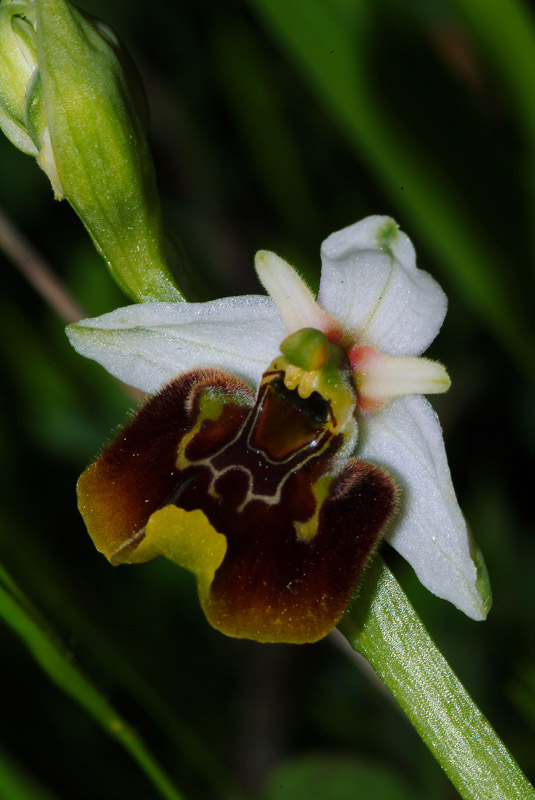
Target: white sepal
{"x":405,"y":438}
{"x":149,"y":344}
{"x":370,"y":283}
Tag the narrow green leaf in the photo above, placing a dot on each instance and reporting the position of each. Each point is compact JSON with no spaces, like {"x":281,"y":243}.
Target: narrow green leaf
{"x":56,"y":661}
{"x":38,"y":570}
{"x":505,"y":31}
{"x":386,"y":630}
{"x":15,"y":784}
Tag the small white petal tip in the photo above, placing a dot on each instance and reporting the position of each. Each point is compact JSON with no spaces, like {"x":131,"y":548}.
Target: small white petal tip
{"x":296,"y":303}
{"x":380,"y":378}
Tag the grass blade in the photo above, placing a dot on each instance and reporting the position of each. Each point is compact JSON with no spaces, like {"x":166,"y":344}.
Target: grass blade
{"x":56,"y":661}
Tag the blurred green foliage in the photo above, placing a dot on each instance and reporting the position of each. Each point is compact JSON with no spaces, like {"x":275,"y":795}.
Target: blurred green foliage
{"x":273,"y":124}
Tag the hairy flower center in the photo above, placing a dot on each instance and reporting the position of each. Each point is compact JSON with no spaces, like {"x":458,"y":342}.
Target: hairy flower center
{"x":302,"y":424}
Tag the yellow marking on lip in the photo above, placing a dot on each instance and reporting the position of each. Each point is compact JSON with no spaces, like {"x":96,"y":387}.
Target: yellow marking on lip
{"x":187,"y":539}
{"x":307,"y":530}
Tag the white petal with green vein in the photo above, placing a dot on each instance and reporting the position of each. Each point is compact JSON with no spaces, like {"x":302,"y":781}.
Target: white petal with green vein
{"x":370,"y":283}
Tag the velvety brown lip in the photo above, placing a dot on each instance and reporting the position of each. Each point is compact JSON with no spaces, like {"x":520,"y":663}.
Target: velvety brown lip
{"x":252,"y":469}
{"x":136,"y":473}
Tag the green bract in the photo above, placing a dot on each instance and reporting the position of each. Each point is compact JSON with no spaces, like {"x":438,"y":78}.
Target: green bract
{"x":70,"y":95}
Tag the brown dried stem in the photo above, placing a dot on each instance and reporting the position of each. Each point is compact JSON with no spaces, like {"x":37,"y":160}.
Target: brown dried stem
{"x":41,"y":276}
{"x":37,"y":271}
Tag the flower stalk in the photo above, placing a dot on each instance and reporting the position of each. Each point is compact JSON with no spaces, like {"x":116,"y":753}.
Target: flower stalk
{"x":385,"y":629}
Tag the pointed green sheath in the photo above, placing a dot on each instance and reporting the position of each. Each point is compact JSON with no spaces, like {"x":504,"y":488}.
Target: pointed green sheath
{"x":71,"y":96}
{"x":100,"y":148}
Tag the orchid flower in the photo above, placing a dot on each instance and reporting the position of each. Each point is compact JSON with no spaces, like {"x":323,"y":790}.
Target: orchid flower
{"x":284,"y":437}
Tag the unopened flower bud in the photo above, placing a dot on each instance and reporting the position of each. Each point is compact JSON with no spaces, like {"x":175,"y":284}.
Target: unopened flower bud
{"x":18,"y":63}
{"x":70,"y":95}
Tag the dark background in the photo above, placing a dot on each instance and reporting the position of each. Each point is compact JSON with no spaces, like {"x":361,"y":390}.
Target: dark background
{"x":261,"y":141}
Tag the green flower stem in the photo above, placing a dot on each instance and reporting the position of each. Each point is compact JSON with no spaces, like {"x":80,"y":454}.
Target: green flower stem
{"x":386,"y":630}
{"x":56,"y":661}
